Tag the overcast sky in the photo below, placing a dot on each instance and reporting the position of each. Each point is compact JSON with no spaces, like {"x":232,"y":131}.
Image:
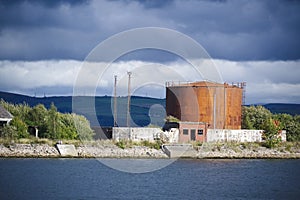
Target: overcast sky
{"x":43,"y":43}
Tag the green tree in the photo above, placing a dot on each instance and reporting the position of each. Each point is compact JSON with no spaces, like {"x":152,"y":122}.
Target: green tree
{"x":258,"y":117}
{"x":254,"y":117}
{"x":85,"y":133}
{"x":271,"y":129}
{"x":9,"y":132}
{"x":247,"y":124}
{"x":291,"y":124}
{"x":37,"y":117}
{"x":65,"y":127}
{"x":20,"y":127}
{"x":18,"y":110}
{"x":52,"y":122}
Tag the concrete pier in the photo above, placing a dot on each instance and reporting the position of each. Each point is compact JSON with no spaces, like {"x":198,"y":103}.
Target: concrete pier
{"x":179,"y":150}
{"x":66,"y":149}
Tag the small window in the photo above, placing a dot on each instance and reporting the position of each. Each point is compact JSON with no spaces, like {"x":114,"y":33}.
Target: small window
{"x":185,"y":131}
{"x":200,"y":131}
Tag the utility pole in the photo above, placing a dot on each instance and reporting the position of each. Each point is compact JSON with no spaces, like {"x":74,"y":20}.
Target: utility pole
{"x":128,"y":100}
{"x":115,"y":102}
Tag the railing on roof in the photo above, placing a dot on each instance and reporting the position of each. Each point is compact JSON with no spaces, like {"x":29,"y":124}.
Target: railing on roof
{"x":177,"y":83}
{"x":241,"y":85}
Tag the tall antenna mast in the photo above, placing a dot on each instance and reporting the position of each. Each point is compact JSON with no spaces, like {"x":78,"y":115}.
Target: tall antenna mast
{"x":115,"y":102}
{"x":128,"y":100}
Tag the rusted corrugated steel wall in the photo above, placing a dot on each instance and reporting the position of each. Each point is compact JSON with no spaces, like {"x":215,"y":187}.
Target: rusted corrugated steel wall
{"x":234,"y":107}
{"x":217,"y":104}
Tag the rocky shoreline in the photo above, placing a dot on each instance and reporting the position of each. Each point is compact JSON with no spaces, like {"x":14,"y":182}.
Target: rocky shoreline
{"x":86,"y":151}
{"x":206,"y":151}
{"x":251,"y":151}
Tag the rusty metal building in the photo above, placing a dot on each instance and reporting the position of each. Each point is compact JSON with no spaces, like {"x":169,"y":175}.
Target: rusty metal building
{"x":219,"y":105}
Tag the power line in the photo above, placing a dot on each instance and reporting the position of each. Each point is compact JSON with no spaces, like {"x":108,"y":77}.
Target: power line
{"x":115,"y":102}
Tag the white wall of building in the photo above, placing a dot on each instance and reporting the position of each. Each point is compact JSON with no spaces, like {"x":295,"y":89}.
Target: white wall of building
{"x":135,"y":133}
{"x":227,"y":135}
{"x":171,"y":136}
{"x":282,"y":135}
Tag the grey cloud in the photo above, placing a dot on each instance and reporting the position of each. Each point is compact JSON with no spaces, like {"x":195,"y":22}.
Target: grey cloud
{"x":267,"y":82}
{"x":244,"y":30}
{"x":29,"y":14}
{"x":46,"y":3}
{"x":272,"y":72}
{"x":234,"y":30}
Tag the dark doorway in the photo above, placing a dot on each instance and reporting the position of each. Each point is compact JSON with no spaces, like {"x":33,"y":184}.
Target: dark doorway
{"x":193,"y":134}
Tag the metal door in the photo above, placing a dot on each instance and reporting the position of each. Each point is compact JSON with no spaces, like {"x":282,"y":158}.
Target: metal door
{"x":193,"y":134}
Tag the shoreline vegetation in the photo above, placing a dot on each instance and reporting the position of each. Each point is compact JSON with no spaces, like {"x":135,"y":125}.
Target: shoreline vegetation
{"x":51,"y":126}
{"x":44,"y":148}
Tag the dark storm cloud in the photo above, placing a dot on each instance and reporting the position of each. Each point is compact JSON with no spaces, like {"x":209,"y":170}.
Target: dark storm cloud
{"x":234,"y":30}
{"x":33,"y":13}
{"x":242,"y":30}
{"x":46,"y":3}
{"x":154,"y":4}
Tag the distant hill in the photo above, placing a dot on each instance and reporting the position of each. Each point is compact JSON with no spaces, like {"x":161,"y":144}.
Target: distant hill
{"x":139,"y":107}
{"x":293,"y":109}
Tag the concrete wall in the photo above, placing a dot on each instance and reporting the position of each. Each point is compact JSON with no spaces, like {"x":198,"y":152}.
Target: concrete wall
{"x":282,"y":135}
{"x":102,"y":133}
{"x":135,"y":133}
{"x":226,"y":135}
{"x":170,"y":136}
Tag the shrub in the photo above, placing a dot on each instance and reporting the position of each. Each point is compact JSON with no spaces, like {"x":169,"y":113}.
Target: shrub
{"x":122,"y":144}
{"x":9,"y":132}
{"x":50,"y":123}
{"x":197,"y":144}
{"x":20,"y":127}
{"x":272,"y":142}
{"x":171,"y":118}
{"x":154,"y":145}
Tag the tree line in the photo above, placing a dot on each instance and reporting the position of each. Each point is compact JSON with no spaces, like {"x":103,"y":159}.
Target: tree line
{"x":50,"y":123}
{"x":258,"y":117}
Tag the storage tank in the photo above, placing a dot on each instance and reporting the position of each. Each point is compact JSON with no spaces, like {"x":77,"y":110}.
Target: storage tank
{"x":217,"y":104}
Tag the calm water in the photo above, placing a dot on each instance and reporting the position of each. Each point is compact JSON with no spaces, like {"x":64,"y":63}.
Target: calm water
{"x":184,"y":179}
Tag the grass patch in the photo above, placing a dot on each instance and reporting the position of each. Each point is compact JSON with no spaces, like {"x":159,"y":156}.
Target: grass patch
{"x":123,"y":144}
{"x":6,"y":142}
{"x":33,"y":140}
{"x":250,"y":145}
{"x":196,"y":144}
{"x":154,"y":145}
{"x":291,"y":147}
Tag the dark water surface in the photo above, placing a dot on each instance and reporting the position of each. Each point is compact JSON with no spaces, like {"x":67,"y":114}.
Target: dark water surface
{"x":184,"y":179}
